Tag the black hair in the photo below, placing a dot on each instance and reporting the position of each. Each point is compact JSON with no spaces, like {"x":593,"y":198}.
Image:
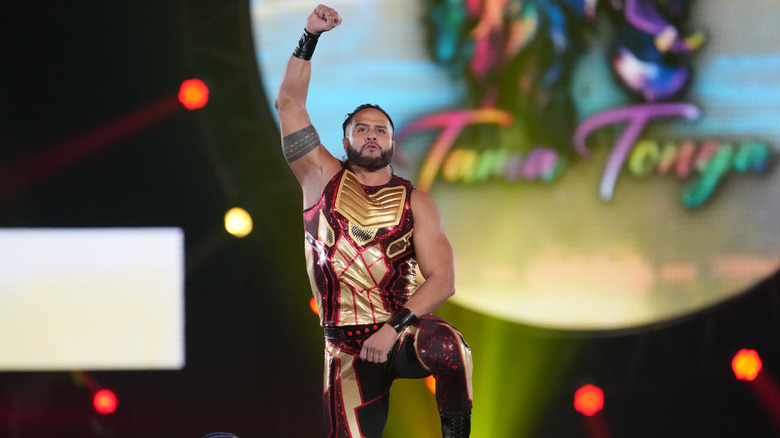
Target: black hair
{"x":351,"y":115}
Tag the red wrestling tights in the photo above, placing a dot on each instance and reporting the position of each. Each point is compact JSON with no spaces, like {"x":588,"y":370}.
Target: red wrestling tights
{"x":357,"y":393}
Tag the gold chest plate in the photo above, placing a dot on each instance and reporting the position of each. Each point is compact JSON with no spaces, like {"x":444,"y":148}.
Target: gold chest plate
{"x":366,"y":213}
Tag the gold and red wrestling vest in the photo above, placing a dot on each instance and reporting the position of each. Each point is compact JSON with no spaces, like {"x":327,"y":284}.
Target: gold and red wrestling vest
{"x":359,"y":251}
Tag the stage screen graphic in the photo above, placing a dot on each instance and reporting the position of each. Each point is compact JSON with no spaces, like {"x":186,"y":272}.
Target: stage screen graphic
{"x":91,"y":299}
{"x":599,"y":165}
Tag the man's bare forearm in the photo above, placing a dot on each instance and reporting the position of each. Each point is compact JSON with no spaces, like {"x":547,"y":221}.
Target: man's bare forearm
{"x":293,"y":91}
{"x":290,"y":101}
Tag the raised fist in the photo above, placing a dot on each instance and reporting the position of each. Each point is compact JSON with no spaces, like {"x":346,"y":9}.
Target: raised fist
{"x":322,"y":20}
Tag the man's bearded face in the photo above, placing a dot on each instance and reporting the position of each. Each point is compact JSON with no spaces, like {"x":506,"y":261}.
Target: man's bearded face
{"x":371,"y":163}
{"x":369,"y":140}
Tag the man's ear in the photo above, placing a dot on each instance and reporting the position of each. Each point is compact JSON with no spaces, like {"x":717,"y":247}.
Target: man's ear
{"x":345,"y":141}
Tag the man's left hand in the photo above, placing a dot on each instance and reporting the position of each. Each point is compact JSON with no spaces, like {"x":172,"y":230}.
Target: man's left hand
{"x":377,"y":347}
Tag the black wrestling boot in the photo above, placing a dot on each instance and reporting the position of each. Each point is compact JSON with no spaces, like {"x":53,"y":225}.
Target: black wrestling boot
{"x":455,"y":424}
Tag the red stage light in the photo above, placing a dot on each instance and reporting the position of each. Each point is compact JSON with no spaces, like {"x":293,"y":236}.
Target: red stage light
{"x":105,"y":402}
{"x":193,"y":94}
{"x":313,"y":305}
{"x":588,"y":400}
{"x":746,"y":364}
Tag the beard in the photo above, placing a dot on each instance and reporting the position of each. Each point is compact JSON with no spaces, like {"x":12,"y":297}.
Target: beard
{"x":371,"y":164}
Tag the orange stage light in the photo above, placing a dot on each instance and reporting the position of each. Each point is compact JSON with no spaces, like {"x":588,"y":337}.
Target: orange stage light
{"x":193,"y":94}
{"x":589,"y":400}
{"x":746,"y":364}
{"x":430,"y":382}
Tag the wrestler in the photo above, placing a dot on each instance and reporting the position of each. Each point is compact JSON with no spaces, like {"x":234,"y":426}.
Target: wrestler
{"x":367,"y":233}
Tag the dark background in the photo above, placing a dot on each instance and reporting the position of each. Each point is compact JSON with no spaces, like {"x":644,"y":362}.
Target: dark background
{"x":253,"y":348}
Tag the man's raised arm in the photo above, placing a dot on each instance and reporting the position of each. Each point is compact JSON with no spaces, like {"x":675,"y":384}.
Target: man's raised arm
{"x":301,"y":144}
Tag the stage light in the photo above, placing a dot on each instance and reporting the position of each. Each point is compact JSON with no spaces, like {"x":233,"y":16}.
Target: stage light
{"x":238,"y":222}
{"x":313,"y":305}
{"x":588,"y":400}
{"x":746,"y":364}
{"x":430,"y":382}
{"x":105,"y":402}
{"x":193,"y":94}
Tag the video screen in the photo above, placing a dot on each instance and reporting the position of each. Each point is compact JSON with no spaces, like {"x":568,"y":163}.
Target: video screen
{"x":91,"y":299}
{"x":599,"y":165}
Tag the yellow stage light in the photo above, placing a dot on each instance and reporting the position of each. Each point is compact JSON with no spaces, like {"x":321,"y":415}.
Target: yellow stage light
{"x":238,"y":222}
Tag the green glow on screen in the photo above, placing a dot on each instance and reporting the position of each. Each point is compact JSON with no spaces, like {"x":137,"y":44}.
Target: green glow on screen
{"x":516,"y":372}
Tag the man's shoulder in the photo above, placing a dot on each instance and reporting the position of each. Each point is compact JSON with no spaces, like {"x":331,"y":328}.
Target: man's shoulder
{"x":399,"y":180}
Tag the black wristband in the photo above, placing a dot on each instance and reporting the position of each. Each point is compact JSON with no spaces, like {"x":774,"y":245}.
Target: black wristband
{"x":402,"y":319}
{"x":306,"y":45}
